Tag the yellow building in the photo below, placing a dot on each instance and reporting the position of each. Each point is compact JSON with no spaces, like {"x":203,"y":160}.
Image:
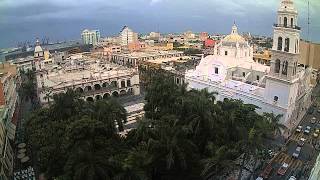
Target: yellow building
{"x":263,"y":58}
{"x":310,"y":54}
{"x":46,"y":54}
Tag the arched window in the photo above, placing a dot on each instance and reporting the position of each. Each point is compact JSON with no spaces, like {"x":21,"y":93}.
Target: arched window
{"x":277,"y":66}
{"x":287,"y":44}
{"x":279,"y":20}
{"x":285,"y":22}
{"x":279,"y":43}
{"x":291,"y":22}
{"x":285,"y":68}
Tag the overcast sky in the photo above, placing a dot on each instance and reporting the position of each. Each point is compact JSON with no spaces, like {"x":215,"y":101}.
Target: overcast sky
{"x":25,"y":20}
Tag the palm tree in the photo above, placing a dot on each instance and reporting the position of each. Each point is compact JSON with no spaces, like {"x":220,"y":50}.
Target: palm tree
{"x":111,"y":113}
{"x":89,"y":156}
{"x":48,"y":94}
{"x":172,"y":149}
{"x":137,"y":165}
{"x":275,"y":124}
{"x":218,"y":163}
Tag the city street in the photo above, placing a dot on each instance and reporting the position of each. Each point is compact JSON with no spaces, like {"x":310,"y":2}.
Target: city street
{"x":299,"y":167}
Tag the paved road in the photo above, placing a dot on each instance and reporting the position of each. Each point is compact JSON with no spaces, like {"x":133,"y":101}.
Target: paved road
{"x":302,"y":165}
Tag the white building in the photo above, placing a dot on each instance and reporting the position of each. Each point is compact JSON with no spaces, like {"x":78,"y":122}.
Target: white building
{"x":92,"y":78}
{"x":127,"y":36}
{"x":283,"y":88}
{"x":90,"y":36}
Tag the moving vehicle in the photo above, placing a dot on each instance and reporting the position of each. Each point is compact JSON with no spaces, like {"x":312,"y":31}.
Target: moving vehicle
{"x":283,"y":169}
{"x":301,"y":142}
{"x":297,"y":152}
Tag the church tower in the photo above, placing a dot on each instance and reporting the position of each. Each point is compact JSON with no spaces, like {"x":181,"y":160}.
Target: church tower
{"x":38,"y":55}
{"x":282,"y":82}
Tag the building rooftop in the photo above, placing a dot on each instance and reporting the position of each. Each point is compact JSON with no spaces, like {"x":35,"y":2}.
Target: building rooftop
{"x":79,"y":71}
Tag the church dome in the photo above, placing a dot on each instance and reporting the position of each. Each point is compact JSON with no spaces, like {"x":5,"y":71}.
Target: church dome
{"x":234,"y":36}
{"x":38,"y":48}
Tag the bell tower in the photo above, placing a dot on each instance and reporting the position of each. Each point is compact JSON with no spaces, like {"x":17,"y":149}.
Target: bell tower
{"x":282,"y":81}
{"x":286,"y":41}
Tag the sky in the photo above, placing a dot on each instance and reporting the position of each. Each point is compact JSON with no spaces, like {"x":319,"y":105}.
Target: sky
{"x":26,"y":20}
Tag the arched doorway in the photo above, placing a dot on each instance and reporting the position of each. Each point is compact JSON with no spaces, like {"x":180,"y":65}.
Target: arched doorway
{"x":123,"y":93}
{"x":98,"y":97}
{"x":115,"y":94}
{"x":97,"y":87}
{"x":90,"y":99}
{"x":106,"y":96}
{"x":88,"y":88}
{"x":79,"y":90}
{"x":104,"y":85}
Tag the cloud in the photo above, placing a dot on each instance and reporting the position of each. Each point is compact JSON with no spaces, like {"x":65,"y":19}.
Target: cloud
{"x":155,"y":2}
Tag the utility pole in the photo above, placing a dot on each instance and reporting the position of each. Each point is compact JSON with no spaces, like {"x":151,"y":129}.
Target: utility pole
{"x":308,"y":34}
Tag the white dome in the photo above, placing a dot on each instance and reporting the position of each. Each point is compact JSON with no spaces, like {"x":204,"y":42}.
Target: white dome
{"x":38,"y":49}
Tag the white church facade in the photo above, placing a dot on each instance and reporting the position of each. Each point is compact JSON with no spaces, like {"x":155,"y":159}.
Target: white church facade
{"x":282,"y":88}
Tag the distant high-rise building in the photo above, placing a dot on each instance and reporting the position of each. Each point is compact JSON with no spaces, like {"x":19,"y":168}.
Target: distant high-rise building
{"x":127,"y":36}
{"x":90,"y":36}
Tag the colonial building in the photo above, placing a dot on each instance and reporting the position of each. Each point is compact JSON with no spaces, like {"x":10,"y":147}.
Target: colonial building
{"x":135,"y":58}
{"x":9,"y":108}
{"x":92,"y":78}
{"x":282,"y":88}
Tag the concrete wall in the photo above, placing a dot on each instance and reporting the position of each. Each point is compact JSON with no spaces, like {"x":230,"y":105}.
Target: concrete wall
{"x":313,"y":59}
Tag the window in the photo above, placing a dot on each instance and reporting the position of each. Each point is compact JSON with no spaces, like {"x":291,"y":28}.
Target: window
{"x":285,"y":68}
{"x":244,"y":74}
{"x":216,"y":70}
{"x":291,"y":22}
{"x":276,"y":98}
{"x":277,"y":66}
{"x":128,"y":83}
{"x":285,"y":22}
{"x":123,"y":84}
{"x":279,"y":43}
{"x":287,"y":43}
{"x":258,"y":78}
{"x":178,"y":81}
{"x":226,"y":53}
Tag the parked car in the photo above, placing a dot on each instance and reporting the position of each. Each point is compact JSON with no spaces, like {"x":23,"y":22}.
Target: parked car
{"x":259,"y":178}
{"x":267,"y":171}
{"x":307,"y":130}
{"x":315,"y":135}
{"x":299,"y":129}
{"x":301,"y":141}
{"x":313,"y":120}
{"x":297,"y":152}
{"x":283,"y":169}
{"x":292,"y":178}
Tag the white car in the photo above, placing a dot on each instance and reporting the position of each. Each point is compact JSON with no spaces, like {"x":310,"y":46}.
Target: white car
{"x":313,"y":120}
{"x":299,"y":129}
{"x":307,"y":130}
{"x":292,"y":178}
{"x":259,"y":178}
{"x":297,"y":153}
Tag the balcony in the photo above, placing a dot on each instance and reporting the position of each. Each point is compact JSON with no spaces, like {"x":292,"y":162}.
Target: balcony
{"x":287,"y":26}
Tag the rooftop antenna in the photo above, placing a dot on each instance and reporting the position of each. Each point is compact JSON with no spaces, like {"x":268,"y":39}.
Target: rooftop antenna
{"x":308,"y":33}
